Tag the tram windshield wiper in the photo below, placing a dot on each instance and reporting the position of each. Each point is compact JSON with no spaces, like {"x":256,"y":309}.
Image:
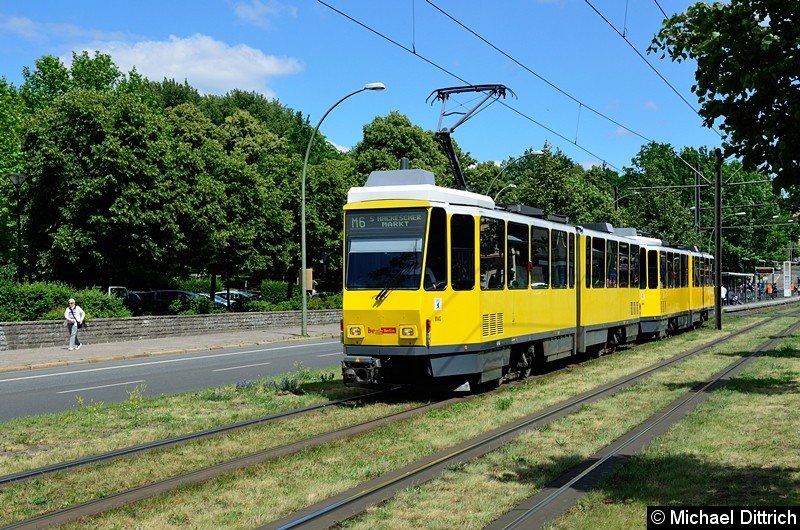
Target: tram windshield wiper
{"x":394,"y":280}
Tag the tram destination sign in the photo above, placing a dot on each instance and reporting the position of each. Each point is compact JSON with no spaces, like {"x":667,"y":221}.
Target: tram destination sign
{"x":387,"y":220}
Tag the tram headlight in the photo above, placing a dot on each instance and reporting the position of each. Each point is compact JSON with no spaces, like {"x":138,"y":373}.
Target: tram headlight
{"x":408,"y":331}
{"x":355,"y":332}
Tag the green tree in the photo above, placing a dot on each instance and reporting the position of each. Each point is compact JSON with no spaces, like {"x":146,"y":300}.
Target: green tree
{"x":51,"y":79}
{"x":197,"y":161}
{"x":662,"y":208}
{"x":557,"y":185}
{"x":278,"y":119}
{"x":12,"y":110}
{"x":102,"y":209}
{"x":326,"y":190}
{"x":258,"y":225}
{"x":747,"y":72}
{"x":171,"y":94}
{"x":388,"y":139}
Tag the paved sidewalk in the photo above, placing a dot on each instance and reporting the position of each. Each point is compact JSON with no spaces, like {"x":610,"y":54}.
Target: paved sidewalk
{"x":26,"y":359}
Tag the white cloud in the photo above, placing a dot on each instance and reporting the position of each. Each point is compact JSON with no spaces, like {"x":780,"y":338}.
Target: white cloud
{"x":650,"y":105}
{"x":29,"y":30}
{"x":21,"y":27}
{"x":340,"y":148}
{"x":260,"y":13}
{"x":207,"y":64}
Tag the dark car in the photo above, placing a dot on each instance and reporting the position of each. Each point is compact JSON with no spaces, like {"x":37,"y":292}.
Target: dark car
{"x":157,"y":302}
{"x":236,"y":296}
{"x":218,"y":300}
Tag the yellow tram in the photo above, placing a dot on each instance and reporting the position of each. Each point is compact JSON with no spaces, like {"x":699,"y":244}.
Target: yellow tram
{"x":444,"y":287}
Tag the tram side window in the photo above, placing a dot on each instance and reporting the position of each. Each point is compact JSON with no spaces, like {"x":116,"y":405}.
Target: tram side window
{"x":643,"y":274}
{"x":598,"y":262}
{"x":611,"y":263}
{"x":588,"y":261}
{"x":675,"y":270}
{"x":540,"y":257}
{"x":462,"y":252}
{"x":663,"y":270}
{"x":703,"y":271}
{"x":517,"y":256}
{"x":558,"y":271}
{"x":571,"y":260}
{"x":684,"y":270}
{"x":652,"y":269}
{"x":711,"y":277}
{"x":493,"y":263}
{"x":435,"y":278}
{"x":710,"y":272}
{"x":624,"y":264}
{"x":635,"y":266}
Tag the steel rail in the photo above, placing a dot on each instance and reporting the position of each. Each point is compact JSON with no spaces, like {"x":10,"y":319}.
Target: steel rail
{"x":145,"y":491}
{"x":175,"y":440}
{"x":600,"y":465}
{"x":351,"y":502}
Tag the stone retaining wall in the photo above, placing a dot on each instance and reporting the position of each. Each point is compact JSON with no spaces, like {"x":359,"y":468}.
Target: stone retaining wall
{"x":40,"y":334}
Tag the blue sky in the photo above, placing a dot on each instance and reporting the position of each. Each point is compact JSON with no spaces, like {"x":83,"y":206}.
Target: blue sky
{"x":565,"y":62}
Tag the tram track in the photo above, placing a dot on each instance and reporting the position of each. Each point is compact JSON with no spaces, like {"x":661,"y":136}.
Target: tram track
{"x":178,"y":440}
{"x":122,"y":498}
{"x":386,"y":484}
{"x":565,"y":491}
{"x":350,"y":503}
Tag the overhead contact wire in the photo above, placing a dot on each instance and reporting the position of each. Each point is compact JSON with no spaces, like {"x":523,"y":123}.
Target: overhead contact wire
{"x":538,"y":76}
{"x":448,"y":72}
{"x":653,"y":68}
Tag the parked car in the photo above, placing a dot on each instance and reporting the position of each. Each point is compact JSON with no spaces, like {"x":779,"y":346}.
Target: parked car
{"x":236,"y":296}
{"x":157,"y":302}
{"x":218,"y":300}
{"x":167,"y":295}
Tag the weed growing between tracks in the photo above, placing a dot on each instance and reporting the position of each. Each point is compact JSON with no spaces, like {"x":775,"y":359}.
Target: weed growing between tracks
{"x":268,"y":491}
{"x":94,"y":428}
{"x":486,"y":488}
{"x":739,"y":448}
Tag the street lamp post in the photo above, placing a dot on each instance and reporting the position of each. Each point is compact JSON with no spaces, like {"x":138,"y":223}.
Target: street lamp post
{"x":17,"y":179}
{"x":303,"y":286}
{"x":617,"y":198}
{"x":509,"y":187}
{"x":512,"y":161}
{"x":718,"y":239}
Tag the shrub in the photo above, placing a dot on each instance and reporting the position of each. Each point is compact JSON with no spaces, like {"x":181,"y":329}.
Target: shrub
{"x":326,"y":301}
{"x":193,"y":306}
{"x":48,"y":300}
{"x":274,"y":292}
{"x":194,"y":285}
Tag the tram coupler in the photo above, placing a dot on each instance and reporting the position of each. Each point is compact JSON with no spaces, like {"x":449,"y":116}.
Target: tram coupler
{"x":358,"y":370}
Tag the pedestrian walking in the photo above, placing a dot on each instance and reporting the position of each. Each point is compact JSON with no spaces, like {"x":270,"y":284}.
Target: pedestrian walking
{"x":74,"y":315}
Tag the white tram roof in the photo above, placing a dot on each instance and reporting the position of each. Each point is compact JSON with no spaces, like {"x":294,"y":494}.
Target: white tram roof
{"x":413,"y":184}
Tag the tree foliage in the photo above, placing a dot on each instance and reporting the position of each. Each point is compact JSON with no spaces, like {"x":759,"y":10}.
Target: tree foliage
{"x":143,"y":194}
{"x":138,"y":182}
{"x":747,"y":76}
{"x":390,"y":138}
{"x":11,"y":161}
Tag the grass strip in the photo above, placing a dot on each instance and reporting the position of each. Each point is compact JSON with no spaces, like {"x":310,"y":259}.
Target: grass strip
{"x":268,"y":491}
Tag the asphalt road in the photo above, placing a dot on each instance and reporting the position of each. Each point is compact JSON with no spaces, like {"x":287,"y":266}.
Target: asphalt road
{"x":40,"y":391}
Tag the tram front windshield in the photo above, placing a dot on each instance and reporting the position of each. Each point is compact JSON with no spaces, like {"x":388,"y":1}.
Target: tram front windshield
{"x":384,"y":248}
